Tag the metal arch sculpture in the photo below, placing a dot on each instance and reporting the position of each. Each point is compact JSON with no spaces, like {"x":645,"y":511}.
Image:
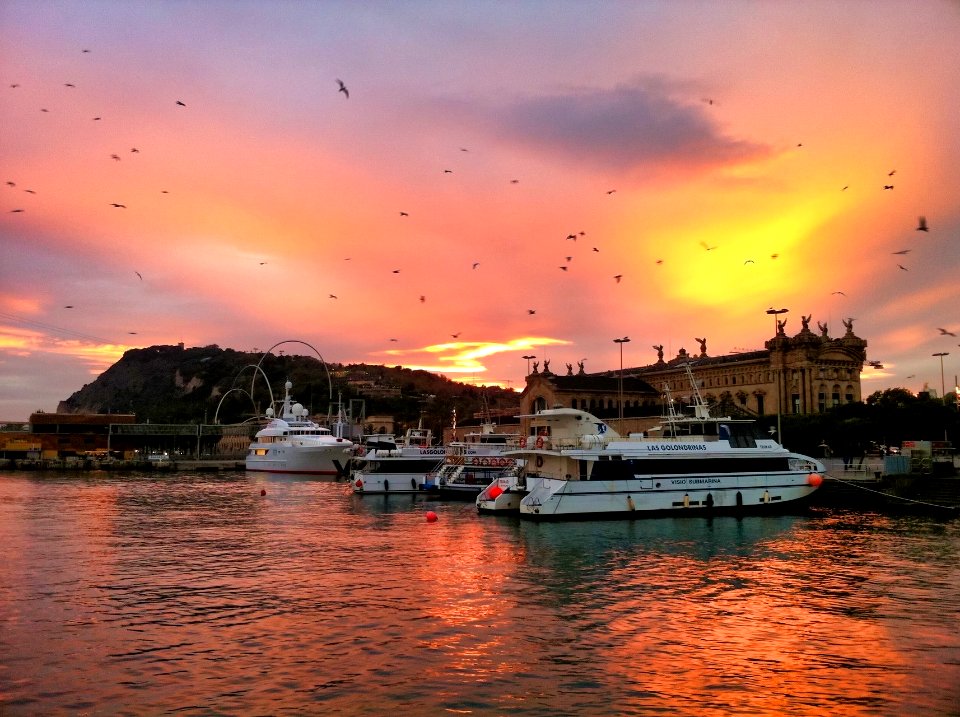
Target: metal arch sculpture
{"x":292,"y":341}
{"x":216,"y":413}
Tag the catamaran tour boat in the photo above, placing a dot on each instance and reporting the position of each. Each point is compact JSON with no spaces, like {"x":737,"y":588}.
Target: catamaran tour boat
{"x":384,"y":465}
{"x":579,"y":467}
{"x":293,"y":443}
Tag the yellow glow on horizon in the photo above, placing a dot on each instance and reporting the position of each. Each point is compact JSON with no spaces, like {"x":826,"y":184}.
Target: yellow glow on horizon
{"x":463,"y":356}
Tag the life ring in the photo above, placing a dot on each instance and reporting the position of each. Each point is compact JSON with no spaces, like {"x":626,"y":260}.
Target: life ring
{"x":539,"y":441}
{"x":474,"y":461}
{"x":539,"y":461}
{"x":484,"y":462}
{"x":360,"y":451}
{"x":503,"y":462}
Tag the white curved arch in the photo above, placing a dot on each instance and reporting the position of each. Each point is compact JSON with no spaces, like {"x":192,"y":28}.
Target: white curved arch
{"x":293,"y":341}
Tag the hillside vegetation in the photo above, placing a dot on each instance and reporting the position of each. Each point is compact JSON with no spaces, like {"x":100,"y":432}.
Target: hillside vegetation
{"x":173,"y":384}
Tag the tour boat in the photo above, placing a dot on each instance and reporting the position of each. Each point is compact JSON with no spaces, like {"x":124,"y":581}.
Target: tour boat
{"x":384,"y":465}
{"x":293,"y":443}
{"x":579,"y":467}
{"x":473,"y":463}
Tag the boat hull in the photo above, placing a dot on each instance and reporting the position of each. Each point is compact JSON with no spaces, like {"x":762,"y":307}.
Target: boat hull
{"x":318,"y":460}
{"x":550,"y":499}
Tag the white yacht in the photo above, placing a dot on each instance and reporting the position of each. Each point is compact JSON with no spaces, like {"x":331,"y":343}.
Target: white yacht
{"x":293,"y":443}
{"x":579,"y":467}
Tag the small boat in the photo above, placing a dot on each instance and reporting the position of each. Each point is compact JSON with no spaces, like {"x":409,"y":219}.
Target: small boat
{"x":576,"y":466}
{"x":293,"y":443}
{"x":382,"y":464}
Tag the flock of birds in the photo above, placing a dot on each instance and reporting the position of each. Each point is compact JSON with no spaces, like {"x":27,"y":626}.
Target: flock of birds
{"x":574,"y":237}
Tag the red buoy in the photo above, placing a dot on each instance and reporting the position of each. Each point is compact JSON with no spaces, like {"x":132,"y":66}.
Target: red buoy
{"x":431,"y":517}
{"x":814,"y":479}
{"x":495,"y":492}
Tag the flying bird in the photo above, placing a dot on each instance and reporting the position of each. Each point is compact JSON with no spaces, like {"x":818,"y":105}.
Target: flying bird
{"x":845,"y":188}
{"x":902,"y":251}
{"x":15,"y":211}
{"x":262,"y":263}
{"x":134,"y":150}
{"x":475,"y":264}
{"x":659,"y":261}
{"x":333,"y":296}
{"x":568,"y":258}
{"x":922,"y":224}
{"x":611,"y":191}
{"x":29,"y":191}
{"x":774,"y":256}
{"x":404,"y":214}
{"x":456,"y":335}
{"x":396,"y":271}
{"x":563,"y":268}
{"x":448,"y":171}
{"x":903,"y":267}
{"x":618,"y":277}
{"x":139,"y":275}
{"x":514,"y":181}
{"x":132,"y":333}
{"x":596,"y":250}
{"x":118,"y":206}
{"x":344,"y":90}
{"x":749,"y":261}
{"x":888,"y":186}
{"x":837,"y":292}
{"x":181,"y":104}
{"x":944,"y":332}
{"x":572,"y":236}
{"x":394,"y":339}
{"x":891,"y":172}
{"x":708,"y":248}
{"x":69,"y":84}
{"x":68,"y":306}
{"x":115,"y":157}
{"x":531,"y":311}
{"x":11,"y":184}
{"x":423,"y":299}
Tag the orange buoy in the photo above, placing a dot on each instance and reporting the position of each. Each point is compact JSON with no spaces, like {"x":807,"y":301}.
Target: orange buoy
{"x":814,"y":479}
{"x":431,"y":517}
{"x":495,"y":492}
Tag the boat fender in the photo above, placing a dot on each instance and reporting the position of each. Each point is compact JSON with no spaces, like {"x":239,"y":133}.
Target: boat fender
{"x":814,"y":479}
{"x":359,"y":484}
{"x":539,"y":461}
{"x":766,"y":496}
{"x":709,"y":500}
{"x":686,"y":500}
{"x":630,"y":504}
{"x":386,"y":485}
{"x":539,"y":441}
{"x":413,"y":483}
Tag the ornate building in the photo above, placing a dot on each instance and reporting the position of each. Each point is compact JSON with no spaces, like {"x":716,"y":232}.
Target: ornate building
{"x":800,"y":374}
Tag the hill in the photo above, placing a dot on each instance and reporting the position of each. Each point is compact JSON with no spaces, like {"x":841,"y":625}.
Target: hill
{"x":173,"y":384}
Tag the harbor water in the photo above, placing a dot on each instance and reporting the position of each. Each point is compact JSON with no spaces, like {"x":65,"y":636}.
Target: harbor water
{"x":197,"y":594}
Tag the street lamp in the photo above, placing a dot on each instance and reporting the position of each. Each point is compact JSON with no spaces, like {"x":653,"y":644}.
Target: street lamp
{"x":528,"y":362}
{"x":943,"y":395}
{"x":776,"y":312}
{"x":624,"y":340}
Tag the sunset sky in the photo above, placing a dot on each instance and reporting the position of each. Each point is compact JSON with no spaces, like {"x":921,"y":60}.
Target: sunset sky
{"x":491,"y":159}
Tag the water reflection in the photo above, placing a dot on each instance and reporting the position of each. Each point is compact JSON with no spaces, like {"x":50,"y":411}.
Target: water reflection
{"x":198,"y":594}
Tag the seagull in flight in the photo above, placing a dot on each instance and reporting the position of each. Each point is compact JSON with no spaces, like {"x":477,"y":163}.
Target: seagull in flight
{"x":68,"y":306}
{"x":343,"y":89}
{"x":562,"y":268}
{"x":611,"y":191}
{"x":902,"y":251}
{"x":404,"y":214}
{"x":903,"y":267}
{"x":837,"y":292}
{"x":118,"y":206}
{"x":475,"y":264}
{"x":618,"y":277}
{"x":888,"y":186}
{"x":922,"y":224}
{"x":749,"y":261}
{"x":139,"y":275}
{"x":396,"y":271}
{"x":333,"y":296}
{"x":944,"y":332}
{"x":181,"y":104}
{"x":531,"y":311}
{"x":705,"y":246}
{"x":891,"y":172}
{"x":456,"y":335}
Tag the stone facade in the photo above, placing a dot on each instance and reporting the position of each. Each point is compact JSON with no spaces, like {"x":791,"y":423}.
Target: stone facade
{"x":801,"y":374}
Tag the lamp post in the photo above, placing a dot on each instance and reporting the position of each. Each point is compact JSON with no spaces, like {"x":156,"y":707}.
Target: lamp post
{"x":624,"y":340}
{"x":528,"y":362}
{"x":943,"y":395}
{"x":775,"y":313}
